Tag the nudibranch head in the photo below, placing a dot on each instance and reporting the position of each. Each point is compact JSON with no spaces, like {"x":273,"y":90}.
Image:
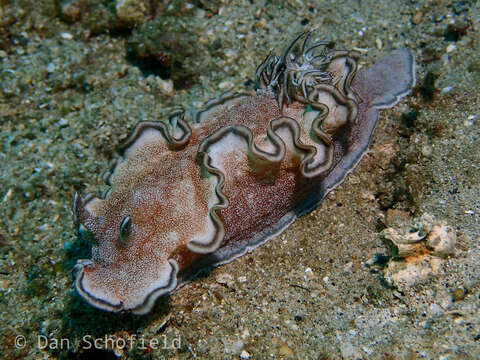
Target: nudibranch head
{"x":202,"y":189}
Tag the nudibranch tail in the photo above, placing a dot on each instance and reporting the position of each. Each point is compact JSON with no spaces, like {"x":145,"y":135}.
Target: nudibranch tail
{"x":204,"y":187}
{"x":388,"y":81}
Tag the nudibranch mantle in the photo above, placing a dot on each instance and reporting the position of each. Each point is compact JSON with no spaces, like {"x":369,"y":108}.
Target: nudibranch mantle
{"x":190,"y":193}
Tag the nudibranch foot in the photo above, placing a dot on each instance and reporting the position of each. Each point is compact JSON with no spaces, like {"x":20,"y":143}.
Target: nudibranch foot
{"x":203,"y":188}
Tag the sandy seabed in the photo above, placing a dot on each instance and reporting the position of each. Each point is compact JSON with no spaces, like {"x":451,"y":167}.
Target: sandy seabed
{"x":327,"y":288}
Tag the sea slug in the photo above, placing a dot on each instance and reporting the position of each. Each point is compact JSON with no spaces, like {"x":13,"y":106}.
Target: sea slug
{"x":202,"y":190}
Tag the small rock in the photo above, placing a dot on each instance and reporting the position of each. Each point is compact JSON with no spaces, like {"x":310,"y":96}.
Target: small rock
{"x":245,"y":334}
{"x":446,"y":302}
{"x":3,"y":284}
{"x":427,"y":150}
{"x":165,"y":86}
{"x":245,"y":355}
{"x":441,"y":240}
{"x":348,"y":267}
{"x":70,"y":11}
{"x":309,"y":273}
{"x":66,"y":35}
{"x":437,"y":264}
{"x":420,"y":236}
{"x":459,"y":294}
{"x":242,"y":279}
{"x":291,"y":325}
{"x":50,"y":67}
{"x":131,"y":11}
{"x":425,"y":324}
{"x":367,"y":195}
{"x":284,"y":350}
{"x":225,"y":85}
{"x":402,"y":244}
{"x":450,"y":48}
{"x":368,"y":351}
{"x":417,"y":17}
{"x":298,"y":318}
{"x":225,"y":279}
{"x":446,"y":90}
{"x":400,"y":250}
{"x":407,"y":275}
{"x":435,"y":310}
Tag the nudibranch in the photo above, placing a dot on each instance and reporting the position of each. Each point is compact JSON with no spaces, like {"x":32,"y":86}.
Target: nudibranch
{"x":202,"y":189}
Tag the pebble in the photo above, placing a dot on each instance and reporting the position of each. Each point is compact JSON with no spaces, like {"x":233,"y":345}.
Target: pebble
{"x":459,"y":294}
{"x":242,"y":279}
{"x":50,"y":67}
{"x":245,"y":355}
{"x":309,"y":273}
{"x":284,"y":350}
{"x":230,"y":53}
{"x":446,"y":89}
{"x":451,"y":47}
{"x":225,"y":279}
{"x":417,"y":17}
{"x":131,"y":11}
{"x":435,"y":310}
{"x":3,"y":284}
{"x":225,"y":85}
{"x":367,"y":350}
{"x":66,"y":35}
{"x":427,"y":150}
{"x":425,"y":324}
{"x":291,"y":325}
{"x":441,"y":240}
{"x":165,"y":86}
{"x":446,"y":302}
{"x":348,"y":267}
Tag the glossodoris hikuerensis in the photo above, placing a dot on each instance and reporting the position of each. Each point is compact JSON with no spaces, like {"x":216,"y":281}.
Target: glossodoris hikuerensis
{"x":190,"y":193}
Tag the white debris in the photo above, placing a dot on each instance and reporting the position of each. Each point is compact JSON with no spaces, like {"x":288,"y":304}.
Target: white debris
{"x":66,"y":35}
